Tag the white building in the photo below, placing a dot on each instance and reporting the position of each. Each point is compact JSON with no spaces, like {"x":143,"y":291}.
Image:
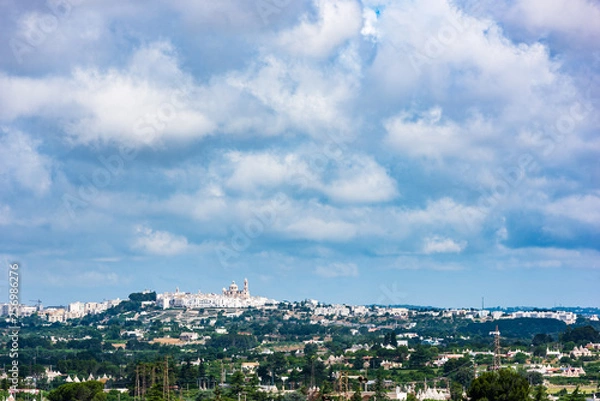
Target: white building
{"x":229,"y":298}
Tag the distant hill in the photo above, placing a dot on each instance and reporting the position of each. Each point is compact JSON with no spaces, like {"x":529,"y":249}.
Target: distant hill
{"x":516,"y":328}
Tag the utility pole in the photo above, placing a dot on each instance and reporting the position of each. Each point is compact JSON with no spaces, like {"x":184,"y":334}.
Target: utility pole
{"x":137,"y":383}
{"x":166,"y":393}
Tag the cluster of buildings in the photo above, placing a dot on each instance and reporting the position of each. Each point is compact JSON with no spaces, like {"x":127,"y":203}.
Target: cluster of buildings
{"x":567,"y":317}
{"x":232,"y":297}
{"x":428,"y":393}
{"x":337,"y":310}
{"x":77,"y":310}
{"x":341,"y":311}
{"x":61,"y":314}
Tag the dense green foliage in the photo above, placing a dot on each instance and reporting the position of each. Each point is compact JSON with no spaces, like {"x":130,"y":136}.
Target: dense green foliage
{"x":517,"y":328}
{"x":502,"y":385}
{"x":88,"y":391}
{"x":581,"y":335}
{"x":288,"y":351}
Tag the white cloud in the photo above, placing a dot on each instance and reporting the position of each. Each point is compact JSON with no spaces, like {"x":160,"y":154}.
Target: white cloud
{"x":545,"y":257}
{"x":439,"y":52}
{"x":577,"y":18}
{"x":336,"y":23}
{"x":369,"y":27}
{"x":293,"y":95}
{"x":254,"y":170}
{"x":428,"y":134}
{"x":201,"y":206}
{"x":364,"y":181}
{"x":583,"y":208}
{"x":21,"y":164}
{"x":145,"y":103}
{"x":438,"y":244}
{"x":160,"y":242}
{"x":444,"y":213}
{"x":352,"y":178}
{"x":316,"y":229}
{"x":337,"y":270}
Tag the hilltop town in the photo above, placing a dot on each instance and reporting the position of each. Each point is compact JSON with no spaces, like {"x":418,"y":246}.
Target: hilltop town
{"x":223,"y":345}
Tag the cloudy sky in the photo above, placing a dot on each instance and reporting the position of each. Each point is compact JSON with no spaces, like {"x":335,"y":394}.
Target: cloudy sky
{"x":426,"y":152}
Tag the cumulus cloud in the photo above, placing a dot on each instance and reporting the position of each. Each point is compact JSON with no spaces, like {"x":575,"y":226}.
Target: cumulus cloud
{"x":252,"y":170}
{"x":141,"y":104}
{"x":397,"y":134}
{"x":336,"y":23}
{"x":159,"y":242}
{"x":364,"y":181}
{"x":352,"y":178}
{"x":572,"y":18}
{"x":442,"y":245}
{"x":22,"y":164}
{"x":582,"y":208}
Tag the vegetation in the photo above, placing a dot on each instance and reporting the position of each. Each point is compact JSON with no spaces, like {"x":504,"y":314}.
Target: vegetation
{"x":135,"y":348}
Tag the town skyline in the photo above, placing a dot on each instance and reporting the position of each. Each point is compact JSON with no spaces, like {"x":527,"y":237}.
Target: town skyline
{"x":183,"y":290}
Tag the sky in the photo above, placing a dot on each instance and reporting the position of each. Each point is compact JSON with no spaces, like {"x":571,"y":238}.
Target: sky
{"x":427,"y":152}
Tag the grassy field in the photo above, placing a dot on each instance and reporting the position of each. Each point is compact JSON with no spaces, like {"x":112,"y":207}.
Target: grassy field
{"x":555,"y":388}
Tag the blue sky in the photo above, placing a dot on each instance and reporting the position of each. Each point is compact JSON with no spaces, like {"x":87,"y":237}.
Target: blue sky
{"x":406,"y":152}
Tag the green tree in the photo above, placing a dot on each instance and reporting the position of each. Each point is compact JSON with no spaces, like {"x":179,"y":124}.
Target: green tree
{"x":460,"y":370}
{"x":539,"y":350}
{"x":155,"y":393}
{"x":539,"y":393}
{"x":501,"y":385}
{"x":88,"y":391}
{"x":534,"y":378}
{"x":379,"y":389}
{"x":574,"y":396}
{"x":520,"y":358}
{"x":217,"y":393}
{"x":580,"y":335}
{"x":236,"y":383}
{"x":541,"y":339}
{"x":456,"y":391}
{"x":310,"y":349}
{"x":357,"y":396}
{"x":420,"y":357}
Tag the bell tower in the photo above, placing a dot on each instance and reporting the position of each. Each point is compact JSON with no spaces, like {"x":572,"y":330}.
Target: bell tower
{"x":246,"y":290}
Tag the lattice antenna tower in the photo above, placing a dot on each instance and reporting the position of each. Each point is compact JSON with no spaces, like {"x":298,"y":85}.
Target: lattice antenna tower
{"x":497,"y":363}
{"x":343,"y":386}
